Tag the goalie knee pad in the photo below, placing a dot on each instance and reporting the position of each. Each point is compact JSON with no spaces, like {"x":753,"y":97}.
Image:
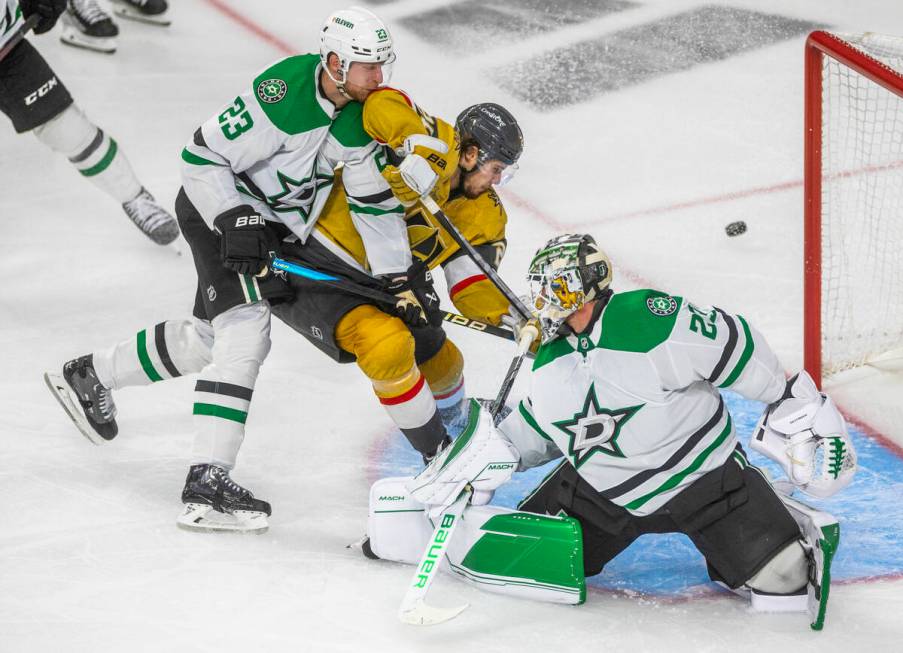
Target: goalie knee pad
{"x":94,"y":153}
{"x":786,"y":573}
{"x":497,"y":549}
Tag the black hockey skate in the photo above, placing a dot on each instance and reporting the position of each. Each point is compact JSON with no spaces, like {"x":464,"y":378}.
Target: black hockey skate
{"x":86,"y":25}
{"x":213,"y":501}
{"x":85,"y":399}
{"x":154,"y":12}
{"x":151,"y":218}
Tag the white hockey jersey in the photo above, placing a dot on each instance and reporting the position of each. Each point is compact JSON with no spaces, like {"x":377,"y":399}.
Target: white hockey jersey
{"x":634,"y":404}
{"x":276,"y":147}
{"x":10,"y":19}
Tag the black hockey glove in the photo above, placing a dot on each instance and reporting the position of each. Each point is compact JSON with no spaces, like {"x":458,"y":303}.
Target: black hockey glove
{"x":48,"y":10}
{"x":246,"y":240}
{"x":418,"y":303}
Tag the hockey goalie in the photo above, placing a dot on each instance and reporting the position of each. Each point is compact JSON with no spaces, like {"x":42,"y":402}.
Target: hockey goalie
{"x":625,"y":388}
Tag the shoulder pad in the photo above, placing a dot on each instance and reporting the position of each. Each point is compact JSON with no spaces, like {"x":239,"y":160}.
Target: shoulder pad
{"x":639,"y":320}
{"x":287,"y":94}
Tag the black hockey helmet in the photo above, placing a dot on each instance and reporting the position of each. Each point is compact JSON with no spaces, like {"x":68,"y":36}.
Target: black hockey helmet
{"x":493,"y":129}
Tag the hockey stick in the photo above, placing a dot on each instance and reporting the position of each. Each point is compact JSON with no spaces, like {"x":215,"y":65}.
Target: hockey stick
{"x":377,"y":295}
{"x":30,"y":23}
{"x":430,"y":205}
{"x":414,"y":609}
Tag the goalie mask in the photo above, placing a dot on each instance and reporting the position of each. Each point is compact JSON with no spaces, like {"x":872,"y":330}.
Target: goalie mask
{"x":356,"y":35}
{"x":566,"y":273}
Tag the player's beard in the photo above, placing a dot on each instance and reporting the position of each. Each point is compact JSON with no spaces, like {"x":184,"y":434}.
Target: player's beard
{"x":358,"y":93}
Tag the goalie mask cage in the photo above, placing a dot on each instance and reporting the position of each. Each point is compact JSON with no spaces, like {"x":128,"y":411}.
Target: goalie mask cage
{"x":853,"y":236}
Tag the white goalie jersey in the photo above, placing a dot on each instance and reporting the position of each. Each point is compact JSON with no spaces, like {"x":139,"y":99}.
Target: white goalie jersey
{"x":276,"y":147}
{"x":634,"y":404}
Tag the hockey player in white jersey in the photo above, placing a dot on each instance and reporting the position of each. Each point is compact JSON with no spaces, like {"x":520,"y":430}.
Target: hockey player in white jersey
{"x":257,"y":172}
{"x":35,"y":100}
{"x":625,"y":388}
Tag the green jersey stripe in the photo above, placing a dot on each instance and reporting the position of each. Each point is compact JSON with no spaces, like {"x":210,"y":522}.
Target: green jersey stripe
{"x":144,"y":357}
{"x":744,"y":357}
{"x":532,"y":421}
{"x":213,"y":410}
{"x":373,"y":210}
{"x":675,"y":480}
{"x":195,"y":160}
{"x":104,"y":163}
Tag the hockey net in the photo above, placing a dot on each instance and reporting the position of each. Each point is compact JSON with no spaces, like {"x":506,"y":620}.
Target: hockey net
{"x":854,"y":201}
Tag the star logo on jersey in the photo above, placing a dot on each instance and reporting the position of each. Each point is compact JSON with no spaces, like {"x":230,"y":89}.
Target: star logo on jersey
{"x":661,"y":306}
{"x":595,"y":429}
{"x":271,"y":90}
{"x":298,"y":195}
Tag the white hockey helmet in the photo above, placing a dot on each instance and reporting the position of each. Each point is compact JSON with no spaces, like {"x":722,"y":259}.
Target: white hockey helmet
{"x":356,"y":35}
{"x":566,"y":273}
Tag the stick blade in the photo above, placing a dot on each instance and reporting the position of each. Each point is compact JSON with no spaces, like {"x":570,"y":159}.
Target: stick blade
{"x":421,"y":614}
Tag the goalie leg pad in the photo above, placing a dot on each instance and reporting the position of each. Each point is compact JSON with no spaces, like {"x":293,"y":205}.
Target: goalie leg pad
{"x":497,"y":549}
{"x":821,"y":537}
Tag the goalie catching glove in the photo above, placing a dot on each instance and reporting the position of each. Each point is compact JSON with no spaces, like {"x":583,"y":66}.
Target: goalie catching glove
{"x":480,"y":457}
{"x":806,"y":434}
{"x":424,"y":163}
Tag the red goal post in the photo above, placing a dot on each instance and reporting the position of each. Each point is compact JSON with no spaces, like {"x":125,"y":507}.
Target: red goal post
{"x":853,"y":185}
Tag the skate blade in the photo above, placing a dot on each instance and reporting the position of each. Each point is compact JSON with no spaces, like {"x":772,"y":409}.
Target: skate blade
{"x":162,"y":20}
{"x":60,"y":389}
{"x":201,"y":517}
{"x":104,"y":45}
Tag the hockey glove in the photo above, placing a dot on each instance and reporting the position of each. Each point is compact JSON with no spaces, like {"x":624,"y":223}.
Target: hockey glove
{"x":481,"y":456}
{"x":48,"y":10}
{"x":806,"y":434}
{"x":423,"y":165}
{"x":246,"y":240}
{"x":514,"y":321}
{"x":418,"y":303}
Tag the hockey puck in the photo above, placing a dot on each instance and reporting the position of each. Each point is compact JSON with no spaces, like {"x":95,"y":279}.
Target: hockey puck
{"x":735,"y":228}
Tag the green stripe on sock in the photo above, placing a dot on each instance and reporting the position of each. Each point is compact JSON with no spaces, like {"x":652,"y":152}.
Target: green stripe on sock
{"x":744,"y":357}
{"x":221,"y":411}
{"x":143,"y":356}
{"x":104,"y":163}
{"x":675,"y":480}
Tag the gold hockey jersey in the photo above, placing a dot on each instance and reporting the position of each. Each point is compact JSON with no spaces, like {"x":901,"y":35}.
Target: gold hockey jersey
{"x":389,"y":117}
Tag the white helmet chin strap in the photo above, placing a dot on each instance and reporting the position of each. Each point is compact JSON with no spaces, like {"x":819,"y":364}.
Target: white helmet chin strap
{"x":339,"y":84}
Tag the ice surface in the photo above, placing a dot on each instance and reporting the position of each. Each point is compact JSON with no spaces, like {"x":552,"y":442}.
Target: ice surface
{"x":90,"y":558}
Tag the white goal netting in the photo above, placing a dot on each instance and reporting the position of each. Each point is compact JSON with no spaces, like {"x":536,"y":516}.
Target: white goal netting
{"x":862,"y":208}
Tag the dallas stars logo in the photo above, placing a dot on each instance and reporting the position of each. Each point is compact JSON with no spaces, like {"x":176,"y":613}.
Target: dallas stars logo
{"x":298,"y":195}
{"x":595,"y":429}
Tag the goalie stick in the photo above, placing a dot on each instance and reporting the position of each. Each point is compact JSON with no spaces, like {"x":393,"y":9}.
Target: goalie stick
{"x":382,"y":297}
{"x":29,"y":24}
{"x":414,"y":610}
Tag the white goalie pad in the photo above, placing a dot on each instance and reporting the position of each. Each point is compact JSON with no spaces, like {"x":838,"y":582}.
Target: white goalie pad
{"x":821,"y":537}
{"x":807,"y":436}
{"x":496,"y":549}
{"x":481,"y":456}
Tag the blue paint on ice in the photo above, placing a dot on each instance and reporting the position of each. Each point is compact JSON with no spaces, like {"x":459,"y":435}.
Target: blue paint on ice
{"x":870,"y":512}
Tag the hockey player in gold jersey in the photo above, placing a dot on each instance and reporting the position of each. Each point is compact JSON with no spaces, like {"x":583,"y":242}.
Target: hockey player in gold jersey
{"x":416,"y":371}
